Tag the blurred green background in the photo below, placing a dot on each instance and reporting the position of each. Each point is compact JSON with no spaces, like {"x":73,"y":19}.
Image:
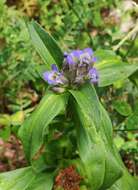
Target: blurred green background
{"x":75,"y":24}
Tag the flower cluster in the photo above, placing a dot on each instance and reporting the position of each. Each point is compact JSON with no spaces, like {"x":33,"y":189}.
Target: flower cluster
{"x":77,"y":69}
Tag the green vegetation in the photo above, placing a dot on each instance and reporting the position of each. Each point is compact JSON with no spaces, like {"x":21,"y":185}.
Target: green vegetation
{"x":110,"y":28}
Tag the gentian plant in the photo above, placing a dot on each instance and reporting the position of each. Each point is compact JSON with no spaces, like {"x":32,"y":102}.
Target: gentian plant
{"x":68,"y":139}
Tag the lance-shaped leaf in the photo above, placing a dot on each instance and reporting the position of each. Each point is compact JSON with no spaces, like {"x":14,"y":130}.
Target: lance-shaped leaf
{"x":25,"y":179}
{"x":45,"y":45}
{"x":90,"y":146}
{"x":34,"y":128}
{"x":111,"y":68}
{"x":92,"y":115}
{"x":91,"y":150}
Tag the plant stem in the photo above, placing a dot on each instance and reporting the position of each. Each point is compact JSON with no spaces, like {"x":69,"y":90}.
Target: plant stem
{"x":133,"y":31}
{"x":125,"y":130}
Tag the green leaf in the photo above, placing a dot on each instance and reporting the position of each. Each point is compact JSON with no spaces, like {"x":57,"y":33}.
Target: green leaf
{"x":43,"y":181}
{"x":95,"y":139}
{"x":111,"y":68}
{"x":34,"y":128}
{"x":45,"y":45}
{"x":113,"y":163}
{"x":41,"y":69}
{"x":122,"y":107}
{"x":132,"y":122}
{"x":88,"y":100}
{"x":127,"y":182}
{"x":91,"y":151}
{"x":25,"y":179}
{"x":15,"y":180}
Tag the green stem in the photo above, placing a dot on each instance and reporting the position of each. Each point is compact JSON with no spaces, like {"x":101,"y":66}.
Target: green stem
{"x":131,"y":33}
{"x":125,"y":130}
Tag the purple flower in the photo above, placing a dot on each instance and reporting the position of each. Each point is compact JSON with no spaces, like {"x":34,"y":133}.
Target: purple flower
{"x":54,"y":77}
{"x":79,"y":56}
{"x":87,"y":57}
{"x":76,"y":53}
{"x":89,"y":51}
{"x":77,"y":68}
{"x":51,"y":77}
{"x":65,"y":54}
{"x":70,"y":60}
{"x":94,"y":59}
{"x":78,"y":65}
{"x":73,"y":57}
{"x":93,"y":75}
{"x":54,"y":68}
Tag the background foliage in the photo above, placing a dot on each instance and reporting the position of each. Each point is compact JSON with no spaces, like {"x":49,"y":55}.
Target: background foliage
{"x":74,"y":24}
